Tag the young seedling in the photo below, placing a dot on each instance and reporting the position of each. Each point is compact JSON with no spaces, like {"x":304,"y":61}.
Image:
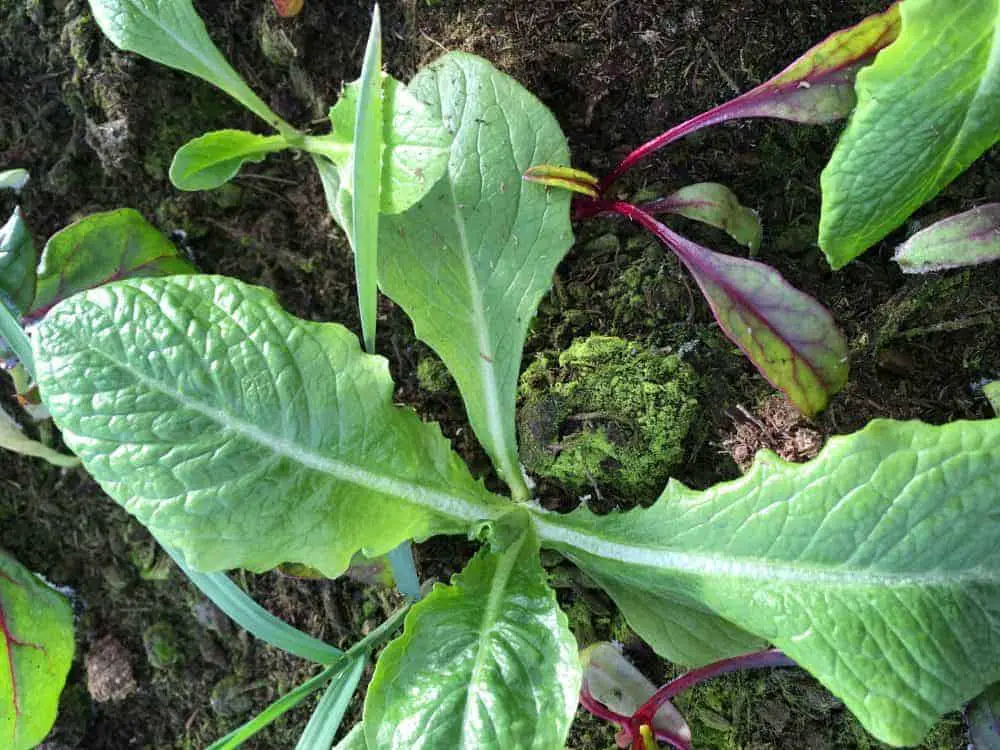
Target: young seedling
{"x":874,"y":566}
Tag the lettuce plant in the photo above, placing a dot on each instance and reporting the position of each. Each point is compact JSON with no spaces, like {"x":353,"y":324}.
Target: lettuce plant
{"x":243,"y":436}
{"x":928,"y":107}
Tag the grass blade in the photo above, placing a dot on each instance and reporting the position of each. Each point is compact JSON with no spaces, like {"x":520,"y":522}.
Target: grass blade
{"x":326,"y":719}
{"x":253,"y":618}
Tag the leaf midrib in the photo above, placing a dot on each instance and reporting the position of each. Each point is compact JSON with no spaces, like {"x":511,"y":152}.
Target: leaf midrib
{"x":491,"y":613}
{"x":427,"y":497}
{"x":751,"y":568}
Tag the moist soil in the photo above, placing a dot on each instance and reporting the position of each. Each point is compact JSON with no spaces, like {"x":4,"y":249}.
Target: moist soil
{"x":97,"y":128}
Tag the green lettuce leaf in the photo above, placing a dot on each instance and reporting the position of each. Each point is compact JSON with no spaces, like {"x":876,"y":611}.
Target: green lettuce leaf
{"x":486,"y":662}
{"x":415,"y":146}
{"x":927,"y":108}
{"x":36,"y":647}
{"x":470,"y":262}
{"x":213,"y":159}
{"x":240,"y":434}
{"x":101,"y":248}
{"x":171,"y":33}
{"x":875,"y":566}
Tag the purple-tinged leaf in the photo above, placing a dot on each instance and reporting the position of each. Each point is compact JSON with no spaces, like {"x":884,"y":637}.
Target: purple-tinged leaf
{"x":17,"y":261}
{"x":965,"y":239}
{"x":715,"y":205}
{"x":790,"y":337}
{"x":99,"y":249}
{"x":612,"y":680}
{"x":817,"y":88}
{"x":982,"y":717}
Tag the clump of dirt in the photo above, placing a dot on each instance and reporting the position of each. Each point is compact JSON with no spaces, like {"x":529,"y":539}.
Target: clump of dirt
{"x":608,"y":417}
{"x":779,"y":427}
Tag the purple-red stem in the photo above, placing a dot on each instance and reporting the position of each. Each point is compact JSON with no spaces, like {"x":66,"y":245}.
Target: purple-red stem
{"x":757,"y":660}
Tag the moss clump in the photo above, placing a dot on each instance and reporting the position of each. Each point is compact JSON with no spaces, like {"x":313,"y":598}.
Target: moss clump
{"x":610,"y":417}
{"x":433,"y":376}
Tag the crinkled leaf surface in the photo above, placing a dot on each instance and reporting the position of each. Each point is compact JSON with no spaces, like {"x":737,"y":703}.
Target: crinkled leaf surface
{"x":486,"y":662}
{"x":17,"y":261}
{"x":212,"y":160}
{"x":875,"y":566}
{"x":240,"y":434}
{"x":171,"y":33}
{"x":36,"y":651}
{"x":927,"y":108}
{"x":415,"y":146}
{"x":982,"y":717}
{"x":965,"y":239}
{"x":12,"y":438}
{"x":715,"y":205}
{"x":470,"y":262}
{"x":99,"y":249}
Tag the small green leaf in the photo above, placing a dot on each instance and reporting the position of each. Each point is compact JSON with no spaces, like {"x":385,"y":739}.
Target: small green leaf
{"x":927,"y":108}
{"x":36,"y":647}
{"x":99,"y":249}
{"x":212,"y":160}
{"x":875,"y":566}
{"x":965,"y":239}
{"x":329,"y":713}
{"x":253,"y":437}
{"x":715,"y":205}
{"x":415,"y":146}
{"x":992,"y":393}
{"x":982,"y":716}
{"x":486,"y":662}
{"x":12,"y":438}
{"x":366,"y":177}
{"x":471,"y":261}
{"x":17,"y":261}
{"x":171,"y":33}
{"x":14,"y":179}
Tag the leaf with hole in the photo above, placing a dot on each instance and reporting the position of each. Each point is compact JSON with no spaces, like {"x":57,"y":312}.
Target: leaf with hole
{"x":875,"y":566}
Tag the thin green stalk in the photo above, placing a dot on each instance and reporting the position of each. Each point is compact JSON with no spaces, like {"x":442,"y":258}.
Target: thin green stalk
{"x":16,"y":338}
{"x":329,"y":714}
{"x":253,"y":618}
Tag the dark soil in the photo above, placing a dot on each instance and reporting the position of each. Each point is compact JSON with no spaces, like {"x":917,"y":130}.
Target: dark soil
{"x":97,"y":128}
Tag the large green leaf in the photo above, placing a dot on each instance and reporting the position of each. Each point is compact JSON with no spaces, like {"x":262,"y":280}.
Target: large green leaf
{"x":927,"y":108}
{"x":171,"y":33}
{"x":36,"y":651}
{"x":876,"y":566}
{"x":17,"y":261}
{"x":240,"y":434}
{"x":487,"y":662}
{"x":213,"y":159}
{"x":415,"y":147}
{"x":101,"y":248}
{"x":470,"y":262}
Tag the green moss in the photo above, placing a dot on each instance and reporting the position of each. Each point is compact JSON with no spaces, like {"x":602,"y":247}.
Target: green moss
{"x":162,"y":646}
{"x":433,"y":376}
{"x":610,"y":416}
